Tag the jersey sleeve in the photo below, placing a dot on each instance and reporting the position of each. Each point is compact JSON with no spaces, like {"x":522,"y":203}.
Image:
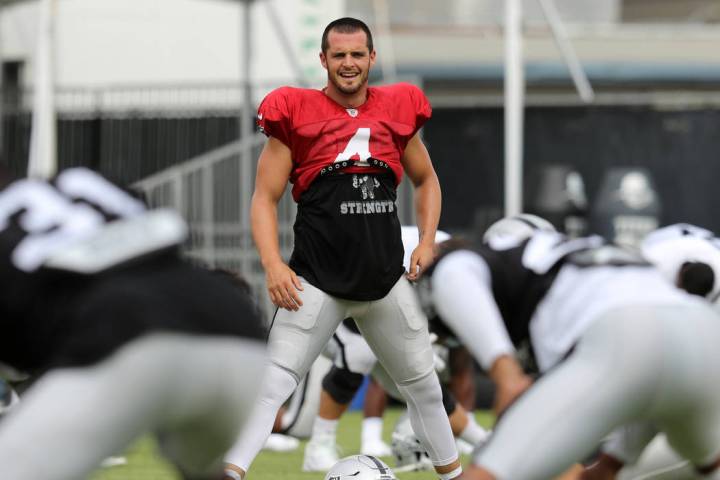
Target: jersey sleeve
{"x":421,"y":106}
{"x":463,"y":298}
{"x":273,"y":116}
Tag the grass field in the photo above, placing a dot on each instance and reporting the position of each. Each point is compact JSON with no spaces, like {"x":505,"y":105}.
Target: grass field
{"x":145,"y":464}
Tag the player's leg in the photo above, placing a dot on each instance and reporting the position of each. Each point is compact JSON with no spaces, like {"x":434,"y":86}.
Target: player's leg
{"x":72,"y":418}
{"x":214,"y":402}
{"x":303,"y":406}
{"x":688,"y":410}
{"x":609,"y":380}
{"x":353,"y":360}
{"x":373,"y":410}
{"x":296,"y":339}
{"x":462,"y":424}
{"x":397,"y":331}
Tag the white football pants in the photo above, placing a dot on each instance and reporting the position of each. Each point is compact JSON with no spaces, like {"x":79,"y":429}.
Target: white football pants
{"x":656,"y":364}
{"x":396,"y":330}
{"x":193,"y":392}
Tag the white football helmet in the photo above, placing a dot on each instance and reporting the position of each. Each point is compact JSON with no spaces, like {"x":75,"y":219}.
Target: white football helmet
{"x":518,"y":227}
{"x":410,"y":455}
{"x":360,"y":467}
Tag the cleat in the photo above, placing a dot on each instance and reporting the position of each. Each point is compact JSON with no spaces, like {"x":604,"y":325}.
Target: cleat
{"x":320,"y":456}
{"x":277,"y":442}
{"x":376,"y":449}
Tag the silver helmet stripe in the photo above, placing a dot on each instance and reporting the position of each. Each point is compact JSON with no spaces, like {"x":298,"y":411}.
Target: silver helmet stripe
{"x":379,"y":464}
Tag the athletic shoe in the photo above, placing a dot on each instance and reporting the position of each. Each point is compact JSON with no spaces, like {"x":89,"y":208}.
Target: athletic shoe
{"x":376,"y":449}
{"x":320,"y":456}
{"x":277,"y":442}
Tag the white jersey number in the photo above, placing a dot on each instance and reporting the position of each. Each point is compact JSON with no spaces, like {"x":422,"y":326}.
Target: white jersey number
{"x":358,"y":145}
{"x":51,"y":220}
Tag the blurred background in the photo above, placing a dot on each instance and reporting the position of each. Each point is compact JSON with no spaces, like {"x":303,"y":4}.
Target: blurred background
{"x":161,"y":94}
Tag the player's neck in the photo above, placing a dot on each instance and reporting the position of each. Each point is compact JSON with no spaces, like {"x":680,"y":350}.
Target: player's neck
{"x":346,"y":100}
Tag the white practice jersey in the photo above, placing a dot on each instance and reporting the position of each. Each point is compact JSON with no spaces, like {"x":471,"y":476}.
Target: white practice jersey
{"x":547,"y":290}
{"x":668,"y":248}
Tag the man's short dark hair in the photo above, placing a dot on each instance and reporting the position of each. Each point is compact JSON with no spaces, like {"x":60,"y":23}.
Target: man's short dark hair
{"x":346,"y":25}
{"x":697,"y":278}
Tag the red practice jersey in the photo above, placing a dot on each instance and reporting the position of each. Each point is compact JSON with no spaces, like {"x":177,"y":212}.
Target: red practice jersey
{"x":321,"y":132}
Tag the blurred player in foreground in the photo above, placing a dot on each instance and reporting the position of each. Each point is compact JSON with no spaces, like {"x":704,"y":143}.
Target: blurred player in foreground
{"x":689,"y":257}
{"x":126,"y":338}
{"x":616,"y":341}
{"x":345,"y":149}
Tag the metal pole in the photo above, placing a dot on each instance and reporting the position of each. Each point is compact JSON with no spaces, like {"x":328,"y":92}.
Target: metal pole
{"x":43,"y":153}
{"x":577,"y":73}
{"x":287,"y":46}
{"x":246,"y":131}
{"x":514,"y":104}
{"x":387,"y":58}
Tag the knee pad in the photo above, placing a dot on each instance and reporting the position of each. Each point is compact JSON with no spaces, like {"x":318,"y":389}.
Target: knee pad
{"x":448,"y":400}
{"x":342,"y":384}
{"x":278,"y":385}
{"x":422,"y":391}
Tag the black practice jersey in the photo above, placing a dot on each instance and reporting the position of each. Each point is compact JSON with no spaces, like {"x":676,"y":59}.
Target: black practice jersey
{"x":86,"y":268}
{"x":347,"y":235}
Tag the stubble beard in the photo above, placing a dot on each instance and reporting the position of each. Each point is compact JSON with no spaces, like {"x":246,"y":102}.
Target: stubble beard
{"x":336,"y":80}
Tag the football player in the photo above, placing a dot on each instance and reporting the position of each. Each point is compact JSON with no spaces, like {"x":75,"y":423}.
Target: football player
{"x":689,"y":257}
{"x":345,"y":149}
{"x":616,"y":341}
{"x":353,"y":360}
{"x":125,"y":337}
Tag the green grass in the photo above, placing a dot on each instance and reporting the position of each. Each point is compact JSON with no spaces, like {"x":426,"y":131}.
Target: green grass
{"x":145,"y":464}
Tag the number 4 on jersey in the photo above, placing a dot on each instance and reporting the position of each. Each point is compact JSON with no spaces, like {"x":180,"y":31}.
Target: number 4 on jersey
{"x":358,"y":145}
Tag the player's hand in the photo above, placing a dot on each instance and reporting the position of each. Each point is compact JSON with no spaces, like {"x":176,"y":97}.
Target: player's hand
{"x":283,"y":286}
{"x":509,"y":391}
{"x":421,"y":258}
{"x":605,"y":468}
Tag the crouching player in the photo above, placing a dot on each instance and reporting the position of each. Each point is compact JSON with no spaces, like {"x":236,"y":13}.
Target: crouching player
{"x":125,"y":336}
{"x":689,"y":257}
{"x":618,"y":344}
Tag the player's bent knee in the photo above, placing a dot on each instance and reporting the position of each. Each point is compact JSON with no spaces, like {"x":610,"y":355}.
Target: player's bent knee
{"x":278,"y":385}
{"x":425,"y":390}
{"x":342,"y":384}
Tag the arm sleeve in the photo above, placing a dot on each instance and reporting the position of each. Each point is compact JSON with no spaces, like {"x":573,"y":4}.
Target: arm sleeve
{"x":463,"y":299}
{"x":273,"y":117}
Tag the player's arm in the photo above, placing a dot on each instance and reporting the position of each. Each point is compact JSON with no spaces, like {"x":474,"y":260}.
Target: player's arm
{"x":428,"y":198}
{"x":462,"y":373}
{"x":273,"y":172}
{"x":462,"y":297}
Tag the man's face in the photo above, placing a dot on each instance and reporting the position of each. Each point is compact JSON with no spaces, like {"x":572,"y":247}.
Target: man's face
{"x":347,"y":60}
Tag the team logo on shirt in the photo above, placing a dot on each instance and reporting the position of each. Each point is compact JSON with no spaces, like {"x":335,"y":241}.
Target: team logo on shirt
{"x":367,"y":185}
